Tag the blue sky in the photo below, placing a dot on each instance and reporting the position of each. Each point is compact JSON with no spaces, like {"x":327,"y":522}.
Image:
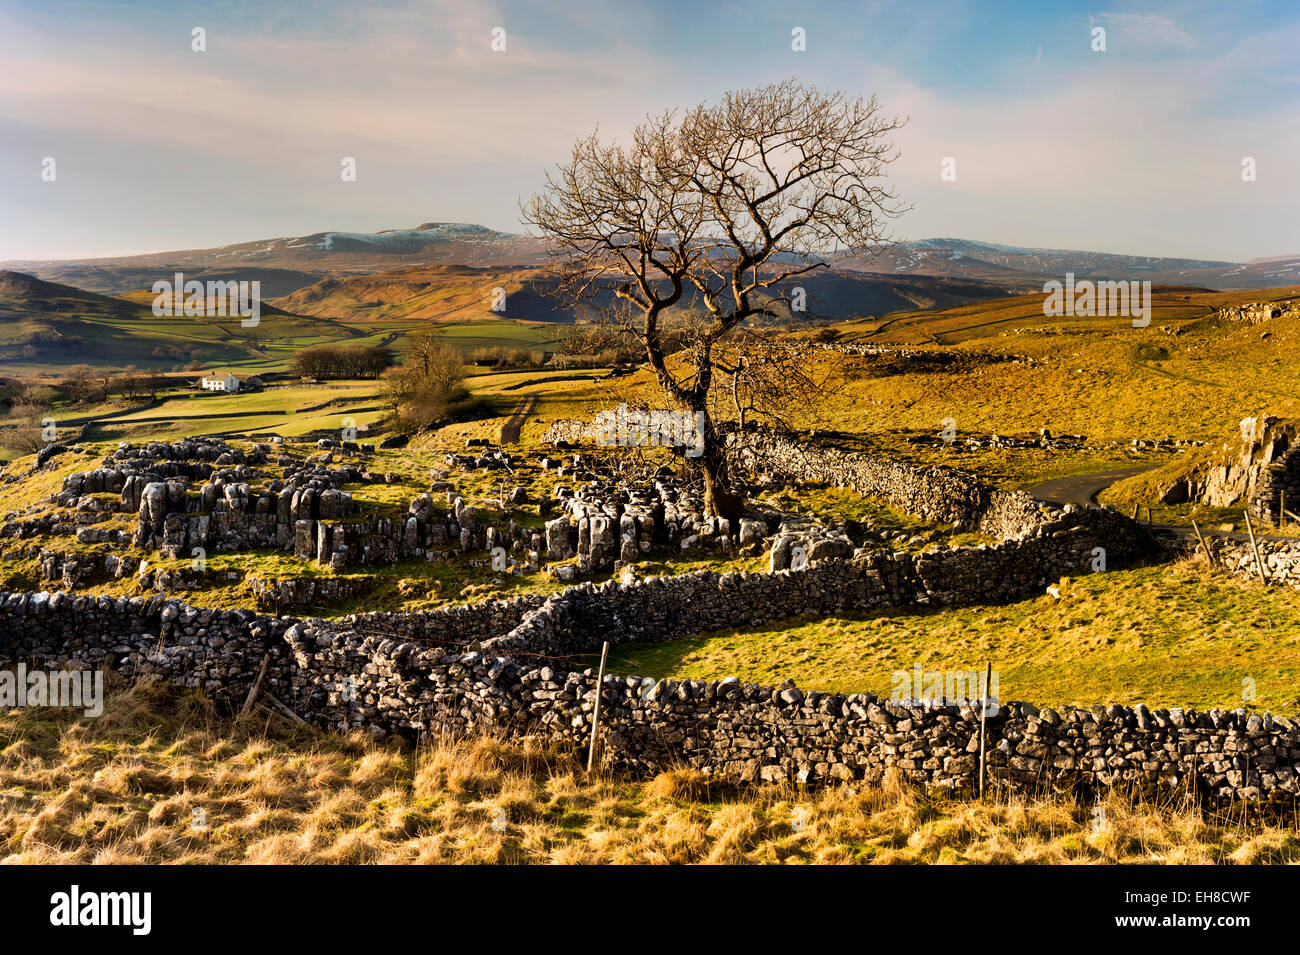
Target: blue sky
{"x":1137,"y":149}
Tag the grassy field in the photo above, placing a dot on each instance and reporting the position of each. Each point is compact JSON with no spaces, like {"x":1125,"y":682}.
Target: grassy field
{"x":1186,"y":375}
{"x":496,"y":334}
{"x":187,"y":412}
{"x":279,"y":400}
{"x":1166,"y":636}
{"x":160,"y":779}
{"x":1011,"y":371}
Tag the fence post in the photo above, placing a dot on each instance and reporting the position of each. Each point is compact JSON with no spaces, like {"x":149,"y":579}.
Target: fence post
{"x":1255,"y":547}
{"x":1208,"y":556}
{"x":595,"y":716}
{"x":984,"y":710}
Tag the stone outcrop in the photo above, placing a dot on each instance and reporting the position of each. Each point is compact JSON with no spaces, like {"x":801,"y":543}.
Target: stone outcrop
{"x":1255,"y":313}
{"x":797,"y":543}
{"x":1258,"y":468}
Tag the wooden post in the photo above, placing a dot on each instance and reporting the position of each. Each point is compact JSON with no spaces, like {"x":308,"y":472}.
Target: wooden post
{"x":283,"y":709}
{"x":1255,"y":547}
{"x":257,"y":685}
{"x":1135,"y":512}
{"x":595,"y":716}
{"x":1208,"y":556}
{"x":984,"y":709}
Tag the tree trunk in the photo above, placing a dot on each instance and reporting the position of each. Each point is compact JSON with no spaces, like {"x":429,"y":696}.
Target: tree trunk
{"x":720,"y":499}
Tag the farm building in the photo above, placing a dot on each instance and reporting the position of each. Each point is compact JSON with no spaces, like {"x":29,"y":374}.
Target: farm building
{"x":219,"y":382}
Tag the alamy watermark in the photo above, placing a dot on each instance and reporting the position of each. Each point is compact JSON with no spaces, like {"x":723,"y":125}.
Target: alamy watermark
{"x":628,"y":427}
{"x":133,"y":910}
{"x":1088,"y":298}
{"x":918,"y":687}
{"x":79,"y":689}
{"x":181,"y":298}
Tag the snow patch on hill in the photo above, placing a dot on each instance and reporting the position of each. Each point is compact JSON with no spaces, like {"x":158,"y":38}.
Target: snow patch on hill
{"x":430,"y":233}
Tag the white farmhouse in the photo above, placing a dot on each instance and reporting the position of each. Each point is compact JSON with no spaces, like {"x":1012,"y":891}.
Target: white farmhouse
{"x":219,"y":382}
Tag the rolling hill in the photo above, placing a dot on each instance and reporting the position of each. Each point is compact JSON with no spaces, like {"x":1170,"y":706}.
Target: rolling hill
{"x":306,"y":258}
{"x":990,"y":262}
{"x":464,"y":293}
{"x":49,"y":326}
{"x":1172,"y":306}
{"x":120,"y":279}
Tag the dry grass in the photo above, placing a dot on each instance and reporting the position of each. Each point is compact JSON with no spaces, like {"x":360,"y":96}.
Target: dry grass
{"x":158,"y":779}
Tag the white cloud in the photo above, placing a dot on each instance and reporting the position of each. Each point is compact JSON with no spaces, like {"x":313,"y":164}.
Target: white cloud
{"x":1148,"y":29}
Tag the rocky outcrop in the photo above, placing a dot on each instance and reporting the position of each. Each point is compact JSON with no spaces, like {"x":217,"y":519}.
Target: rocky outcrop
{"x":1258,"y":468}
{"x":1255,"y":313}
{"x":799,"y":542}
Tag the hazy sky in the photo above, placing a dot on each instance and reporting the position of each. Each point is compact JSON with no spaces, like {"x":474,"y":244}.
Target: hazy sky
{"x":1138,"y":149}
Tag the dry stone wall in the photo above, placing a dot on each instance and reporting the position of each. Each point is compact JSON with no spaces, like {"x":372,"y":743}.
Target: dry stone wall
{"x":1279,"y":558}
{"x":941,"y":494}
{"x":407,"y":674}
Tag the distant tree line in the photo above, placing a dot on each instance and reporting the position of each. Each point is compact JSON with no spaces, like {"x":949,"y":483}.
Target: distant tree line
{"x":499,"y":357}
{"x":341,"y":361}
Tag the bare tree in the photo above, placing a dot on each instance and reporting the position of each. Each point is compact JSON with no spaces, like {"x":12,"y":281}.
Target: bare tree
{"x":697,"y":224}
{"x":428,"y":382}
{"x":25,"y":436}
{"x":774,"y":381}
{"x":129,"y":383}
{"x":80,"y":384}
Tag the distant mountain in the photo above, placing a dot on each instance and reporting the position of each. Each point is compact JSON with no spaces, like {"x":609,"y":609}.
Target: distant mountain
{"x":316,"y":254}
{"x":436,"y":293}
{"x":991,"y":262}
{"x":1257,"y":273}
{"x":285,"y":265}
{"x":120,"y":279}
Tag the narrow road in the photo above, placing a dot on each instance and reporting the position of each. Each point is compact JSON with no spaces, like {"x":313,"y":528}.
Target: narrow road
{"x":510,"y":430}
{"x":1083,"y":488}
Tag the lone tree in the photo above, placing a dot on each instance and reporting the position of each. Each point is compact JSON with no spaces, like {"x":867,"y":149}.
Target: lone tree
{"x":428,"y":384}
{"x":698,"y":223}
